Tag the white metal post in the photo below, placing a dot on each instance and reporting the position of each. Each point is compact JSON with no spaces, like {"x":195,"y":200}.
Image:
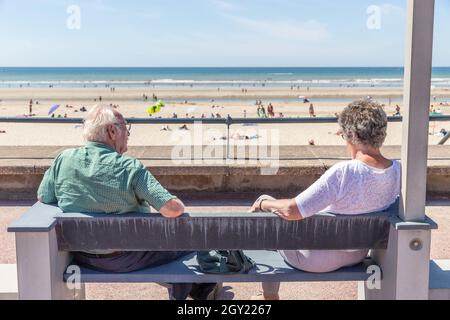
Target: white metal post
{"x":418,"y":68}
{"x":406,"y":262}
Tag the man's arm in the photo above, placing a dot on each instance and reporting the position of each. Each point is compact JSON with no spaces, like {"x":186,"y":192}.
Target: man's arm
{"x":172,"y":209}
{"x":148,"y":189}
{"x":46,"y":192}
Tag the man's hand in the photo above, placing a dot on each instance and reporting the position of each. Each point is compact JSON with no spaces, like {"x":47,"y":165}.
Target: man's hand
{"x":172,"y":209}
{"x":256,"y":205}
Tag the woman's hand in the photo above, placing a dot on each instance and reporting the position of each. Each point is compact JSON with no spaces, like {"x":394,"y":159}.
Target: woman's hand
{"x":285,"y":209}
{"x":288,"y":211}
{"x":257,"y":205}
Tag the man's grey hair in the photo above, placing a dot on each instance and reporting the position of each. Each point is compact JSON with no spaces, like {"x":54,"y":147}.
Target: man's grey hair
{"x":364,"y":122}
{"x":97,"y":121}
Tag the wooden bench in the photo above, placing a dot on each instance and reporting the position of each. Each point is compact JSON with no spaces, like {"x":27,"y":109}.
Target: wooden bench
{"x":45,"y":238}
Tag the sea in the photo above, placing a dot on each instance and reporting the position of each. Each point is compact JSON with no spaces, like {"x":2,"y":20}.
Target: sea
{"x":295,"y":77}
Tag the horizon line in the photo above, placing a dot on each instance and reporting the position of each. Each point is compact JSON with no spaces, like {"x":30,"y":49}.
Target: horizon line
{"x":209,"y":67}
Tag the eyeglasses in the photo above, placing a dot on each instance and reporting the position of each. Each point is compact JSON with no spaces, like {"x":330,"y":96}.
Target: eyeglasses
{"x":126,"y":125}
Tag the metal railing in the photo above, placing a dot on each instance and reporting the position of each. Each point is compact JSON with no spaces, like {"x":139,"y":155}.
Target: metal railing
{"x":228,"y":121}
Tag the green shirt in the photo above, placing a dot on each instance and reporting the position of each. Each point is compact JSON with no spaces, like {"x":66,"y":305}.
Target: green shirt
{"x":97,"y":179}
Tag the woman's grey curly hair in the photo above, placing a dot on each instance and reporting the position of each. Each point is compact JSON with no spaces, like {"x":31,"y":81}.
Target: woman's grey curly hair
{"x":364,"y":122}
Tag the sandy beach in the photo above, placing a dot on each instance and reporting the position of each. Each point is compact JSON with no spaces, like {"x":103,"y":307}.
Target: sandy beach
{"x":198,"y":102}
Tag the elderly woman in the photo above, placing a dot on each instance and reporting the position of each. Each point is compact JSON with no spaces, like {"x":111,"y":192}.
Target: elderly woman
{"x":367,"y":183}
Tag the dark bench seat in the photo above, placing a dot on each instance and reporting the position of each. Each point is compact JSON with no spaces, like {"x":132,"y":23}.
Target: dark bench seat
{"x":270,"y":268}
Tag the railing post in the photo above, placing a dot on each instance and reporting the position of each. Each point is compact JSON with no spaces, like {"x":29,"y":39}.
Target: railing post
{"x":444,"y":139}
{"x":229,"y":123}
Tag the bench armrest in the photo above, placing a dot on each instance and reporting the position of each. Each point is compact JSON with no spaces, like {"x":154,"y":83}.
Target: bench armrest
{"x":39,"y":218}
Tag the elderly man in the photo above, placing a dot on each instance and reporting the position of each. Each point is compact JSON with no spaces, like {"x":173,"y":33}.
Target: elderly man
{"x":98,"y":178}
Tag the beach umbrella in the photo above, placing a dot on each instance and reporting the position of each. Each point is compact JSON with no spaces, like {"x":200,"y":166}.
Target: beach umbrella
{"x":153,"y":110}
{"x":53,"y":109}
{"x":160,"y":104}
{"x":156,"y":108}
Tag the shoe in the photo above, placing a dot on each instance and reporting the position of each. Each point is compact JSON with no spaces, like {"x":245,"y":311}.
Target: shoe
{"x":204,"y":291}
{"x":268,"y":297}
{"x":214,"y":294}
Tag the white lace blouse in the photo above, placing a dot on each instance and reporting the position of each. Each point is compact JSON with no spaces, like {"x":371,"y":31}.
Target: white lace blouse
{"x":350,"y":187}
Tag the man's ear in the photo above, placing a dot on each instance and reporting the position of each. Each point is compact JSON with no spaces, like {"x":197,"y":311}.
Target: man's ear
{"x":111,"y":131}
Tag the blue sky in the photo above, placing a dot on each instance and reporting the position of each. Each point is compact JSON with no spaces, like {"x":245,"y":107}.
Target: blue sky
{"x":210,"y":33}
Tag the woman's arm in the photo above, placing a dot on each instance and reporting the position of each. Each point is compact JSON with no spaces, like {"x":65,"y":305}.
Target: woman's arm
{"x":316,"y":198}
{"x":285,"y":209}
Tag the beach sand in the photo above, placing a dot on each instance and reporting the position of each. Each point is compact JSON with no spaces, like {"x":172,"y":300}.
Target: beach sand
{"x":196,"y":102}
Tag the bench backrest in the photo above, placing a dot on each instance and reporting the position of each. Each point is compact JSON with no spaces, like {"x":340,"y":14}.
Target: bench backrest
{"x":138,"y":232}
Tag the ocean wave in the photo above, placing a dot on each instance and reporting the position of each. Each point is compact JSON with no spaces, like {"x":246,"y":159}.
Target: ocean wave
{"x":360,"y":81}
{"x":380,"y":80}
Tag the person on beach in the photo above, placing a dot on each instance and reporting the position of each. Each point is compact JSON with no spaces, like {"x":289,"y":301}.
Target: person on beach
{"x":311,"y":111}
{"x":99,"y":178}
{"x":262,"y":112}
{"x":31,"y":108}
{"x":270,"y":111}
{"x":368,"y":183}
